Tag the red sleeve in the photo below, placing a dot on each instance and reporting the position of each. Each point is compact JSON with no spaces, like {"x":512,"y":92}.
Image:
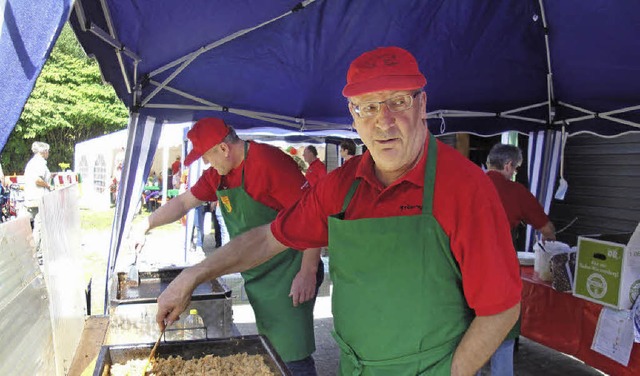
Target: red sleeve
{"x":312,"y":177}
{"x":531,"y":209}
{"x":305,"y":224}
{"x":317,"y":170}
{"x":205,"y":187}
{"x":475,"y":221}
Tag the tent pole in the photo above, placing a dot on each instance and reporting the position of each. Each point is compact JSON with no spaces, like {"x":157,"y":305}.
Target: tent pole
{"x":550,"y":93}
{"x":224,"y":40}
{"x":626,"y":109}
{"x":523,"y":118}
{"x":574,"y":107}
{"x":169,"y":79}
{"x":105,"y":37}
{"x":82,"y":20}
{"x":520,"y":109}
{"x":573,"y":120}
{"x":112,"y":32}
{"x":621,"y":121}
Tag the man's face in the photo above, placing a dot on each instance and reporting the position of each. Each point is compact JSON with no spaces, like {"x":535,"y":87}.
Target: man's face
{"x":394,"y":139}
{"x":308,"y":155}
{"x":218,"y":158}
{"x":344,"y":153}
{"x":45,"y":154}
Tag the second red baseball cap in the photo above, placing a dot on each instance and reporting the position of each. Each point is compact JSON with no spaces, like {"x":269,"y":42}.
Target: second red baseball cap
{"x":385,"y":68}
{"x":205,"y":134}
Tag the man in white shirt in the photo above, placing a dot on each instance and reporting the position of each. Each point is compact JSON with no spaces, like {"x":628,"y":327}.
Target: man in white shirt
{"x":36,"y":184}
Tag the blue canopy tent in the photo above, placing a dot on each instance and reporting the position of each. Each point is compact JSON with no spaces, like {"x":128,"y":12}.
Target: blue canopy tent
{"x":28,"y":31}
{"x":534,"y":66}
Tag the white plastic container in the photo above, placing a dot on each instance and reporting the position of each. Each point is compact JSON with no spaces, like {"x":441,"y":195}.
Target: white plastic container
{"x":194,"y":326}
{"x":175,"y":332}
{"x":544,"y":252}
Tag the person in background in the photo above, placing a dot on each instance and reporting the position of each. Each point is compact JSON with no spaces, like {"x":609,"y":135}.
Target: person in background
{"x":317,"y":170}
{"x":425,"y":277}
{"x":36,"y":184}
{"x":347,"y":149}
{"x":1,"y":178}
{"x":520,"y":206}
{"x":252,"y":182}
{"x":175,"y":173}
{"x":2,"y":189}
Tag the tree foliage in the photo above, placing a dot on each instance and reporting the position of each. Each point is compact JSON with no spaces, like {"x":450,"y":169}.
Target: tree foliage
{"x":69,"y":104}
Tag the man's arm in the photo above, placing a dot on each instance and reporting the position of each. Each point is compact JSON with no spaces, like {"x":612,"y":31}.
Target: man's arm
{"x":548,"y":231}
{"x":303,"y":287}
{"x":244,"y":252}
{"x":481,"y":340}
{"x":41,"y":183}
{"x":173,"y":210}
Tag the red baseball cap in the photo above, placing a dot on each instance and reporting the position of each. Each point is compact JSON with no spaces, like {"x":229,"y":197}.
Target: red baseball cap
{"x":205,"y":134}
{"x":385,"y":68}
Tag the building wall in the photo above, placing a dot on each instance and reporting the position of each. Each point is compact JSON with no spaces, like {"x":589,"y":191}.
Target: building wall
{"x":604,"y":186}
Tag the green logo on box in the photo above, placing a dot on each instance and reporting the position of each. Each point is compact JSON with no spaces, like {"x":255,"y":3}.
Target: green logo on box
{"x":596,"y":285}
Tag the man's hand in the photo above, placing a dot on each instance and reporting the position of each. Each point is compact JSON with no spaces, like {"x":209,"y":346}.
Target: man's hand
{"x":139,"y":235}
{"x":175,"y":299}
{"x":303,"y":287}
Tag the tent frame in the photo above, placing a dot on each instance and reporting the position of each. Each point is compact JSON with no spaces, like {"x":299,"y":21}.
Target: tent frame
{"x":181,"y":63}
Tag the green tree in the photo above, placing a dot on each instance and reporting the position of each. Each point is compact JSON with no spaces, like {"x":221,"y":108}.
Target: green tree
{"x":69,"y":104}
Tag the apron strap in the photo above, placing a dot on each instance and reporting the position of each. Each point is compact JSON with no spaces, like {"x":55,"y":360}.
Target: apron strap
{"x":349,"y":196}
{"x":429,"y":176}
{"x":429,"y":180}
{"x":246,"y":148}
{"x":437,"y":352}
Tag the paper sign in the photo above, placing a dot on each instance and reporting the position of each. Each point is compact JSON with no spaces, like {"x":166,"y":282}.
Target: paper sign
{"x":614,"y":335}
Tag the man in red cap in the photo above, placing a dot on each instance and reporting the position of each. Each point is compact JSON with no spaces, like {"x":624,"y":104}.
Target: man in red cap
{"x":423,"y":282}
{"x":252,"y":182}
{"x":317,"y":170}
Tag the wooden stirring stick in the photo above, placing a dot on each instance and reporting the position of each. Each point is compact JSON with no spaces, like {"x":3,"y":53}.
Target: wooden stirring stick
{"x":153,"y":353}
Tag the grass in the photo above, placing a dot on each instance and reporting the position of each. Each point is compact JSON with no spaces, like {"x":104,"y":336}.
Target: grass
{"x":102,"y":220}
{"x":95,"y":230}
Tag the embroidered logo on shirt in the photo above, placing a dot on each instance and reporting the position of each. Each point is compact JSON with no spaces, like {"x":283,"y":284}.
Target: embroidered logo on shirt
{"x":410,"y":207}
{"x":227,"y":203}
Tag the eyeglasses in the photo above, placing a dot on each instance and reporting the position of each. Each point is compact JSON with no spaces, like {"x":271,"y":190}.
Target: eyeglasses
{"x":395,"y":104}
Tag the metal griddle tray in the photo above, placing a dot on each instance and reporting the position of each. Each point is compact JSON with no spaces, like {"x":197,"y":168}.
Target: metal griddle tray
{"x":153,"y":283}
{"x":252,"y":345}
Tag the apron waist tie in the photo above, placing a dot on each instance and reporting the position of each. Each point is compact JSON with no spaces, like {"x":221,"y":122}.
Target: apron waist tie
{"x":438,"y":352}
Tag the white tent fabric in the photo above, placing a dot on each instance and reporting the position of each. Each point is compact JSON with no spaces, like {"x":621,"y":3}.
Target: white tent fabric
{"x":143,"y":132}
{"x":544,"y":161}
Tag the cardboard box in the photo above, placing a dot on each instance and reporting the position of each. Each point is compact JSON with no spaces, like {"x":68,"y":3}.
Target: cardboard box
{"x":608,"y":269}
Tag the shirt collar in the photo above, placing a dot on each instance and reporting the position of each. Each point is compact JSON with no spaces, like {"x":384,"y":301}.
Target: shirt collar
{"x":415,"y":176}
{"x":496,"y":173}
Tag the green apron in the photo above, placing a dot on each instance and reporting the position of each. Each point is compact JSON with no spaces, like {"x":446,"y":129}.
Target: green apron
{"x":289,"y":328}
{"x":398,"y":304}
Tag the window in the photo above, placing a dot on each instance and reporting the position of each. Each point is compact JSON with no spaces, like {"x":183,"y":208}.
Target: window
{"x":83,"y":168}
{"x":100,"y":174}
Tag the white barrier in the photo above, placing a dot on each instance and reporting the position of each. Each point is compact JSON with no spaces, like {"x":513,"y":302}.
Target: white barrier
{"x":42,"y":312}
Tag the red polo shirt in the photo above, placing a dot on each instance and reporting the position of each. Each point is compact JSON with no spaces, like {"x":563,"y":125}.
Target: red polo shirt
{"x":466,"y":206}
{"x":518,"y":202}
{"x":175,"y":167}
{"x":270,"y":177}
{"x":316,"y":171}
